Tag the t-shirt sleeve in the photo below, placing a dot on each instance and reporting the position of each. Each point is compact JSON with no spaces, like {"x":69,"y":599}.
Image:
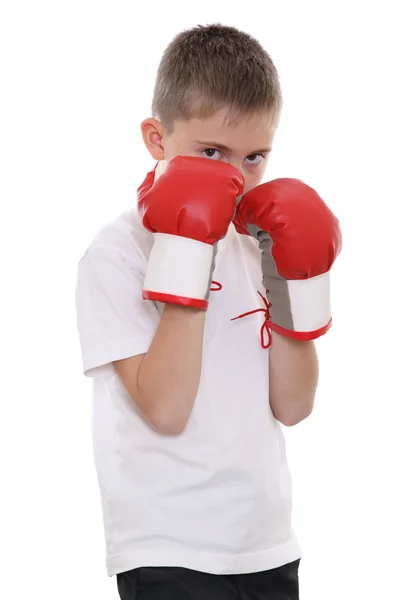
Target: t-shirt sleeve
{"x":114,"y":322}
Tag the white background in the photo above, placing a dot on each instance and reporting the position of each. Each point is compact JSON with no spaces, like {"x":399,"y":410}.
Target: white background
{"x":76,"y":80}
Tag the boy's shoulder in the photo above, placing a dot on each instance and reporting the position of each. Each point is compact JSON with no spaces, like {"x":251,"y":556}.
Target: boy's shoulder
{"x":124,"y":236}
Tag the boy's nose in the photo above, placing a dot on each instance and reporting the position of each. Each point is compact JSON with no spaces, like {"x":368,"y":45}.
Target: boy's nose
{"x":237,"y":164}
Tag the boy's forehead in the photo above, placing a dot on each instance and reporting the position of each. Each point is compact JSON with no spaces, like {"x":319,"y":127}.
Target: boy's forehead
{"x":248,"y":132}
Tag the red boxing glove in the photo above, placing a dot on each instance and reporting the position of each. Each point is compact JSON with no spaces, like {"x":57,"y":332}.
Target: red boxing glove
{"x":188,"y":204}
{"x":300,"y":239}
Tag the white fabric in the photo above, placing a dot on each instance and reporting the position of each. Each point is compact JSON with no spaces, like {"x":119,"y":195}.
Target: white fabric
{"x":179,"y":266}
{"x":216,"y":498}
{"x":310,"y":302}
{"x":160,"y":169}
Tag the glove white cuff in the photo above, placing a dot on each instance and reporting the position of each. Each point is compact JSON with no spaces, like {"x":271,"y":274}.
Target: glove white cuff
{"x":310,"y":308}
{"x":179,"y":271}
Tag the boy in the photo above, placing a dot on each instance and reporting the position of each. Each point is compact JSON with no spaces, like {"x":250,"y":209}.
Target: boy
{"x":195,"y":487}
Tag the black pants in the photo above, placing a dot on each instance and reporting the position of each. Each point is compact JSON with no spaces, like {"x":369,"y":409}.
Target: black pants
{"x":176,"y":583}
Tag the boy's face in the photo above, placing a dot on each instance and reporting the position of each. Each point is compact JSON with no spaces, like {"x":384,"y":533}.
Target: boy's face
{"x":245,"y":144}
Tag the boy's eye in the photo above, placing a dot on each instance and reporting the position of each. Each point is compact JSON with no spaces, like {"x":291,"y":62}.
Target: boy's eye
{"x":255,"y":159}
{"x":212,"y":153}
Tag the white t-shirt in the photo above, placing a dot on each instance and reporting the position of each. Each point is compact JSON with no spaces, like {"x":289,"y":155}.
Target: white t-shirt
{"x":216,"y":498}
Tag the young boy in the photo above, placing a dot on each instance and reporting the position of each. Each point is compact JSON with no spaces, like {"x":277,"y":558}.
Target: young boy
{"x":195,"y":487}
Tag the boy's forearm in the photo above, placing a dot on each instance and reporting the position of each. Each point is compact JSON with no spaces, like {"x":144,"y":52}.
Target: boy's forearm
{"x":169,"y":375}
{"x":293,"y":379}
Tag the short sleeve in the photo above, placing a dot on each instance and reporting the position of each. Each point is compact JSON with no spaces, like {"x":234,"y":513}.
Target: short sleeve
{"x":114,"y":322}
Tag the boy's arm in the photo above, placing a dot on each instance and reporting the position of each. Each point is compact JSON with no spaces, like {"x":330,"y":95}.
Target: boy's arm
{"x":299,"y":238}
{"x":293,"y":379}
{"x":163,"y":383}
{"x":188,"y":205}
{"x":157,"y":356}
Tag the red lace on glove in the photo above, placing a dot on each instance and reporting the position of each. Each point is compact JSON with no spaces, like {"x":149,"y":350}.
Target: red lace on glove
{"x":265,"y":332}
{"x":217,"y":286}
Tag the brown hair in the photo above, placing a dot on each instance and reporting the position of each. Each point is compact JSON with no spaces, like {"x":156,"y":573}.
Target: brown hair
{"x":209,"y":67}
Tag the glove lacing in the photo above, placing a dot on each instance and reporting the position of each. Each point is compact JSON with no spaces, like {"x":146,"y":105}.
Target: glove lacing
{"x":265,"y":331}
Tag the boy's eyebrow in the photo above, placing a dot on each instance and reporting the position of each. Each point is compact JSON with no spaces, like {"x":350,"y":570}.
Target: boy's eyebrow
{"x":226,"y":149}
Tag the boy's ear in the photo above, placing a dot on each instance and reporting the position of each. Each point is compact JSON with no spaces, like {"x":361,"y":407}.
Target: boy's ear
{"x":153,"y":133}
